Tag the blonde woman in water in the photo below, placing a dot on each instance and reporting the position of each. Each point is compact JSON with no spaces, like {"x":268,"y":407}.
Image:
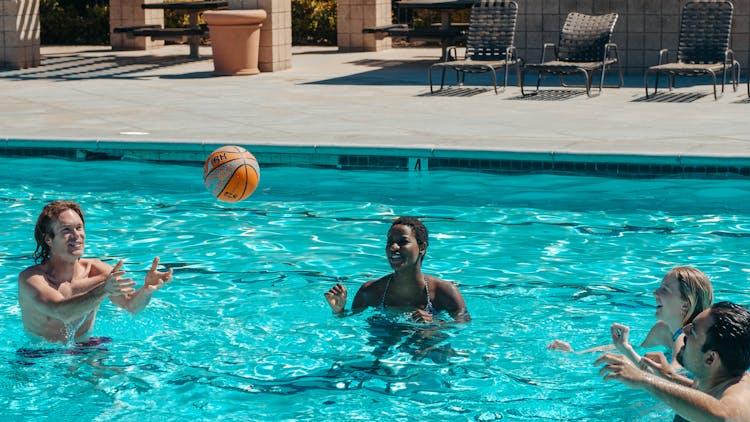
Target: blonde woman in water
{"x":684,"y":293}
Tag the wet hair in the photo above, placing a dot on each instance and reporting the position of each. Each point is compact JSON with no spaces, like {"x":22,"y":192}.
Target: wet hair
{"x":695,"y":289}
{"x":50,"y":213}
{"x":420,"y":231}
{"x":729,"y":336}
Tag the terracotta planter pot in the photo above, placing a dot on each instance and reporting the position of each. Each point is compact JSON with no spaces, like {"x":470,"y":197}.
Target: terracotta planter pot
{"x":235,"y":40}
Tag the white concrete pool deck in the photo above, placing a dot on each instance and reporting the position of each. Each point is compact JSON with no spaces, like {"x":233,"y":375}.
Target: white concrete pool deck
{"x":353,"y":100}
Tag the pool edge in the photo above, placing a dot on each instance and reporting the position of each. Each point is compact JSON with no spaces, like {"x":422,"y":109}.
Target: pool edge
{"x":394,"y":158}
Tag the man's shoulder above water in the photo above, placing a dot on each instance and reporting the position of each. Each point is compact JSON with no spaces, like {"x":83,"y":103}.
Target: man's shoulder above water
{"x":31,"y":271}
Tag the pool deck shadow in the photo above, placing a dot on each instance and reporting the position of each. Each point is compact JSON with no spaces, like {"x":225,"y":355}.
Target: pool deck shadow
{"x":364,"y":103}
{"x":98,"y":63}
{"x":410,"y":71}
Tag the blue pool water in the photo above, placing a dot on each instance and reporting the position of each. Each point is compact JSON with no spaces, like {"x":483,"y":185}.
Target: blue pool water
{"x":243,"y":331}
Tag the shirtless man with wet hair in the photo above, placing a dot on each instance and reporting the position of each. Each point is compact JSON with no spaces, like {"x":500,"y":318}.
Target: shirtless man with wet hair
{"x":59,"y":297}
{"x":716,"y":351}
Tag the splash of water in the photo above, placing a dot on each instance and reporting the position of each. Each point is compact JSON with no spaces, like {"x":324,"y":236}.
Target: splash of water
{"x":71,"y":328}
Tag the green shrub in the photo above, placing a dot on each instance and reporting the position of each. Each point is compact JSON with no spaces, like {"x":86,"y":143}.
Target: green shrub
{"x":177,"y":18}
{"x":314,"y":22}
{"x":71,"y":22}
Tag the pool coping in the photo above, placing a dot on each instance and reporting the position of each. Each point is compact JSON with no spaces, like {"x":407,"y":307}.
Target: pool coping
{"x":389,"y":158}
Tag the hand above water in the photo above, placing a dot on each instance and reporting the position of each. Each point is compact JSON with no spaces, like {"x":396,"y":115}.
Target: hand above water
{"x":336,"y":298}
{"x":620,"y":337}
{"x":115,"y":285}
{"x":560,"y":345}
{"x":657,"y":363}
{"x":420,"y":315}
{"x":156,"y":279}
{"x":620,"y":368}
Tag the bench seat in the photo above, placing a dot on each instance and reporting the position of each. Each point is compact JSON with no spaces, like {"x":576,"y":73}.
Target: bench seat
{"x":432,"y":33}
{"x":159,"y":33}
{"x":126,"y":29}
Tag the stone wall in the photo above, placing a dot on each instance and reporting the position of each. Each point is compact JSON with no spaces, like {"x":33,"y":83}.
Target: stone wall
{"x":275,"y":35}
{"x":124,"y":13}
{"x":643,"y":28}
{"x":353,"y":15}
{"x":19,"y":34}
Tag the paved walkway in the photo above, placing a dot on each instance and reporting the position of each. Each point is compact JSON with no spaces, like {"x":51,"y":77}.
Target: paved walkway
{"x":362,"y":100}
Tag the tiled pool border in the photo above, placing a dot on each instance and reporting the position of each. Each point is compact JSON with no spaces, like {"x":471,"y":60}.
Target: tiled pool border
{"x":406,"y":159}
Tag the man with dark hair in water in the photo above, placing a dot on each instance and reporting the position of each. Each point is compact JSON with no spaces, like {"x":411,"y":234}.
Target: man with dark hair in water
{"x":406,"y":288}
{"x":59,"y":297}
{"x":716,"y":352}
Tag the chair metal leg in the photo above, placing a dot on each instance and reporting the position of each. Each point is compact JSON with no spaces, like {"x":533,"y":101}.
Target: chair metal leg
{"x":656,"y":81}
{"x":494,"y":78}
{"x":733,"y":71}
{"x":604,"y":69}
{"x":519,"y":67}
{"x":735,"y":75}
{"x":588,"y":78}
{"x":429,"y":79}
{"x":724,"y":75}
{"x":713,"y":78}
{"x":538,"y":81}
{"x":442,"y":78}
{"x":505,"y":75}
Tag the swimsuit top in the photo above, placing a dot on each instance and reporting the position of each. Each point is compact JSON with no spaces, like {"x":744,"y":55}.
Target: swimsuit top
{"x":668,"y":353}
{"x":427,"y":307}
{"x":676,"y":334}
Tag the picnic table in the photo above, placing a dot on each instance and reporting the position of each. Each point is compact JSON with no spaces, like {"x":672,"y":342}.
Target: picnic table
{"x":194,"y":32}
{"x":446,"y":7}
{"x":446,"y":32}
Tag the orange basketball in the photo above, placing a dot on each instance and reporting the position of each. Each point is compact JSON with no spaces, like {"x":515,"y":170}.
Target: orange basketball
{"x":231,"y":173}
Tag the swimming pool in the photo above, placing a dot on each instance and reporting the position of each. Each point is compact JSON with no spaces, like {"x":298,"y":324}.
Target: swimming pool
{"x":243,"y":331}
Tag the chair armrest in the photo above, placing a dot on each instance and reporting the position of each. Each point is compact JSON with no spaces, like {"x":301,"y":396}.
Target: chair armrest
{"x":728,"y":57}
{"x":451,"y":51}
{"x":663,"y":55}
{"x":548,"y":45}
{"x":511,"y":53}
{"x":608,"y":48}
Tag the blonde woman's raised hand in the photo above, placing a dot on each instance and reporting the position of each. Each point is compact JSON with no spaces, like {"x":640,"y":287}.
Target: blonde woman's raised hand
{"x":620,"y":336}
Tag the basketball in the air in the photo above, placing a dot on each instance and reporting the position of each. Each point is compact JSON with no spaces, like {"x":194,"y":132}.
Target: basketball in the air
{"x":231,"y":173}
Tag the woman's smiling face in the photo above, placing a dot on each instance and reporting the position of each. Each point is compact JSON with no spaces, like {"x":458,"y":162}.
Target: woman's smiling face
{"x":401,"y":248}
{"x":670,"y":305}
